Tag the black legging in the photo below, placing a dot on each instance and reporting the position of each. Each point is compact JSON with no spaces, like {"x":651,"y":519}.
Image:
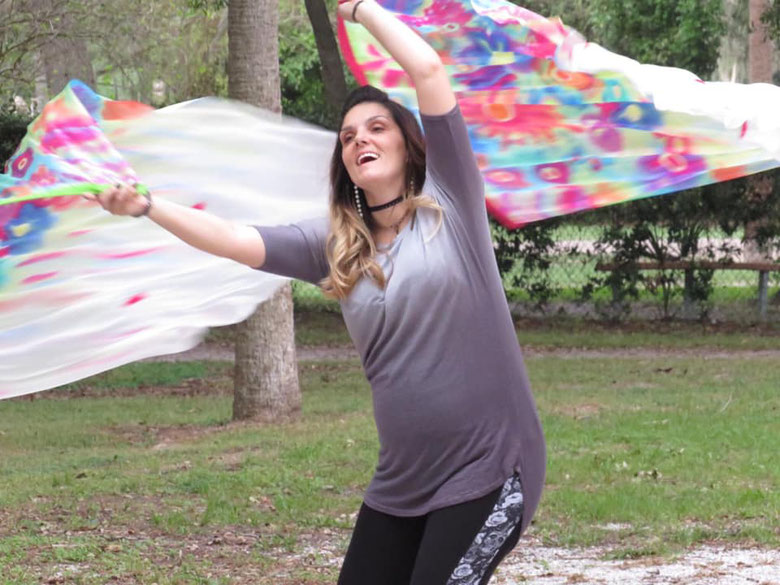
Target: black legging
{"x":457,"y":545}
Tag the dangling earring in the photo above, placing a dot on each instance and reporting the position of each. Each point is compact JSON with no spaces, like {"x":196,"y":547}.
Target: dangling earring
{"x":411,"y":186}
{"x":358,"y":204}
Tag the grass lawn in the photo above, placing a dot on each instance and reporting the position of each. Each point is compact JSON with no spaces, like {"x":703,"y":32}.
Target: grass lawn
{"x":138,"y":475}
{"x":326,"y":328}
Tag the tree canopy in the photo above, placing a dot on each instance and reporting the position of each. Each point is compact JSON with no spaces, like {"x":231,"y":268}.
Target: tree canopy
{"x":166,"y":52}
{"x":771,"y":18}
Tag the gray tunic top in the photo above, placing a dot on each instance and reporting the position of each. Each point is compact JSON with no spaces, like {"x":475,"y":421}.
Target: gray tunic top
{"x":452,"y":402}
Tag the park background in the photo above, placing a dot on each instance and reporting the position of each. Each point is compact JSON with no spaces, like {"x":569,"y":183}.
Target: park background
{"x":657,"y":388}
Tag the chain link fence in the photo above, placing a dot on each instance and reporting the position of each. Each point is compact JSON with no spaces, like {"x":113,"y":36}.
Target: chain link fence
{"x":585,"y":272}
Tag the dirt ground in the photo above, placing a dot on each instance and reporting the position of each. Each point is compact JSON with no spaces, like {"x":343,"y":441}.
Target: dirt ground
{"x":532,"y":563}
{"x":228,"y":555}
{"x":709,"y":565}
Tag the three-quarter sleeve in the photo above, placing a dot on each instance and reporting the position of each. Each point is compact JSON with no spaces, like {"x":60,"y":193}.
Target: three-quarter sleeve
{"x":451,"y":163}
{"x":297,"y":250}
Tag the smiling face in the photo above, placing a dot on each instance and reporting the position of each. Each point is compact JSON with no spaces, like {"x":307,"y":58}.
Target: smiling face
{"x":373,"y":149}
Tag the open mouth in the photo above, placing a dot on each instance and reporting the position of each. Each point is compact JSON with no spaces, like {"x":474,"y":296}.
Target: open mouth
{"x":366,"y":157}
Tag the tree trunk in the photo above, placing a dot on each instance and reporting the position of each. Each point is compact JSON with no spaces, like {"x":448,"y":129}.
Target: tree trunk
{"x":253,"y":53}
{"x":266,"y":373}
{"x":266,"y":376}
{"x":760,"y":47}
{"x":760,"y":51}
{"x":332,"y":71}
{"x":65,"y":59}
{"x":41,"y":88}
{"x":64,"y":53}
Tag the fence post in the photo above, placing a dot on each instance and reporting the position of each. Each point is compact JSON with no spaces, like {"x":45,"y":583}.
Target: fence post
{"x":763,"y":294}
{"x":689,"y":305}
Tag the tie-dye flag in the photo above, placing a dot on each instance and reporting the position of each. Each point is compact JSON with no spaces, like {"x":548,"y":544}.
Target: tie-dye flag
{"x":559,"y":125}
{"x":82,"y":291}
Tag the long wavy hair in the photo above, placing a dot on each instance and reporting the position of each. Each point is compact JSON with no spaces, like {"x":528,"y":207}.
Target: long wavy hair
{"x":350,"y":247}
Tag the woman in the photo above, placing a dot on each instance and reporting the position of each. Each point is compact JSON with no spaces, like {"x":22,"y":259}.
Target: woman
{"x":407,"y":251}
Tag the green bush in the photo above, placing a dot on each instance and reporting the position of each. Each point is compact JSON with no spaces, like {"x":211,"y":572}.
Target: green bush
{"x":524,"y":257}
{"x":13,"y":127}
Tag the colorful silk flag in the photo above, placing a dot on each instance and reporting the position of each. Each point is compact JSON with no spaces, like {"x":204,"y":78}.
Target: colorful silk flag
{"x":82,"y":291}
{"x":559,"y":125}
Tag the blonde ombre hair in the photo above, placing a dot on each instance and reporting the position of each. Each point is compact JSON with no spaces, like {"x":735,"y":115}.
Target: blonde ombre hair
{"x":350,"y":247}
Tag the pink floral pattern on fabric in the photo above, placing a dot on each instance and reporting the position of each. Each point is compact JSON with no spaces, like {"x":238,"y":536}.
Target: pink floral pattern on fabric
{"x":22,"y":163}
{"x":551,"y":140}
{"x":64,"y":145}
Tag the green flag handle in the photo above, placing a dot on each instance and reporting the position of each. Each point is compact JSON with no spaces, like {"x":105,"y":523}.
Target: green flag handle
{"x":66,"y":191}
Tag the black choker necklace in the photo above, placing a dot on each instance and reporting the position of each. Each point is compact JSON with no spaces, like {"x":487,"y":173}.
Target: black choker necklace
{"x":395,"y":201}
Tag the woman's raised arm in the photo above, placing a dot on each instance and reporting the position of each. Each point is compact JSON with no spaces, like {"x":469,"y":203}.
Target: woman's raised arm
{"x":414,"y":55}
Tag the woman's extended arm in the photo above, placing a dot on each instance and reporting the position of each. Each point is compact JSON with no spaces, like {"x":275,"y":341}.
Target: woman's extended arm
{"x":197,"y":228}
{"x":414,"y":55}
